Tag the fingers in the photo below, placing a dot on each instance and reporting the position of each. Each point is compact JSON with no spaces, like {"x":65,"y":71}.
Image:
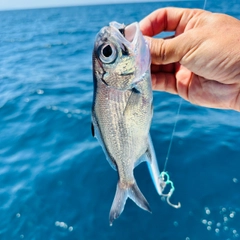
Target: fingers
{"x":172,"y":57}
{"x":168,"y":68}
{"x":166,"y":19}
{"x":177,"y":82}
{"x":165,"y":51}
{"x":164,"y":82}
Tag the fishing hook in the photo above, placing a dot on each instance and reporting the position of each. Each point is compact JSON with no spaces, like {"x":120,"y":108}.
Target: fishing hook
{"x":168,"y":195}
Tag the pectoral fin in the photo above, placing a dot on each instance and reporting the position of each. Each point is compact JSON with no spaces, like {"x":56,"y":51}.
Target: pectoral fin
{"x":133,"y":101}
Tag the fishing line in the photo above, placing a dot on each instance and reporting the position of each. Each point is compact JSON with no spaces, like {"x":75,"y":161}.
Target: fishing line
{"x":164,"y":176}
{"x":173,"y":132}
{"x":205,"y":4}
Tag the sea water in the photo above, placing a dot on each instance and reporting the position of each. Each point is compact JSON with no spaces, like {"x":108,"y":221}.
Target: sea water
{"x":55,"y":182}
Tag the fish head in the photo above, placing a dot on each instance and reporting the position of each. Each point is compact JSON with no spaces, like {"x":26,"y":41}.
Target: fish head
{"x":121,"y":55}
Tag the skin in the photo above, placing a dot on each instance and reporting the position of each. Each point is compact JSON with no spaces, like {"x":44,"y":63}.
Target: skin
{"x":201,"y":62}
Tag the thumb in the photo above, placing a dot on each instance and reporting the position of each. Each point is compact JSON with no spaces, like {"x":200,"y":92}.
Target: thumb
{"x":165,"y":51}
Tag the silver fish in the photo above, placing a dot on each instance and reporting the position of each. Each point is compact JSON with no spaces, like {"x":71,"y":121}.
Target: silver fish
{"x":122,"y":109}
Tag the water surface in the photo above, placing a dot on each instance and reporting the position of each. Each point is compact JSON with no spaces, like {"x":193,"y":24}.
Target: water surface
{"x":55,"y":181}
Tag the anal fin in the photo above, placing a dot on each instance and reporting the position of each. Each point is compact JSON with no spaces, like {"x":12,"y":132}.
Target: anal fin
{"x":153,"y":167}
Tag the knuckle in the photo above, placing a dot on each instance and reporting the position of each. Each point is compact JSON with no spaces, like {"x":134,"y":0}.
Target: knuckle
{"x":159,"y":51}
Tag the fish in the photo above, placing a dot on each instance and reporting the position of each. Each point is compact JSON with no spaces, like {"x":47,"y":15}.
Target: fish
{"x":122,"y":109}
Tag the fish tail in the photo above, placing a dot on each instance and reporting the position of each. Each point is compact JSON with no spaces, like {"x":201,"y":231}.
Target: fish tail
{"x":121,"y":196}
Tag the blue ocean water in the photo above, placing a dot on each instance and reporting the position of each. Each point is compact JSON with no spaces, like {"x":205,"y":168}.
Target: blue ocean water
{"x":54,"y":180}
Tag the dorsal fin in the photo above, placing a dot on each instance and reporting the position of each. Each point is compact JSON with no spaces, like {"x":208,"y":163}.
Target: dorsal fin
{"x":92,"y":129}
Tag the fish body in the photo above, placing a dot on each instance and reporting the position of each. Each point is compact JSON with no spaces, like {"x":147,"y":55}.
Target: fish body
{"x":122,"y":109}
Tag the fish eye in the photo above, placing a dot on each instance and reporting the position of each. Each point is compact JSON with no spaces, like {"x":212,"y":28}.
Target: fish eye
{"x":108,"y":53}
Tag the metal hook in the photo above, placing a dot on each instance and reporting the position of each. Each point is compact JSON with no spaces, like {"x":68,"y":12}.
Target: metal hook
{"x":169,"y":194}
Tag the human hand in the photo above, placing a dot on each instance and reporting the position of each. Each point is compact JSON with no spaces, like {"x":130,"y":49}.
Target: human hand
{"x":201,"y":62}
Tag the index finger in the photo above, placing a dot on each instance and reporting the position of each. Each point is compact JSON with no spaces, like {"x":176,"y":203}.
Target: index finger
{"x":166,"y":19}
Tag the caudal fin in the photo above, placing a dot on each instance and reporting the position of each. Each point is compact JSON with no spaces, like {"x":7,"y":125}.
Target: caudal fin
{"x":121,"y":196}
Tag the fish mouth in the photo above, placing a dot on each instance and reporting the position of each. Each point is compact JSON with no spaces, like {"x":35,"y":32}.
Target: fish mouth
{"x":129,"y":32}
